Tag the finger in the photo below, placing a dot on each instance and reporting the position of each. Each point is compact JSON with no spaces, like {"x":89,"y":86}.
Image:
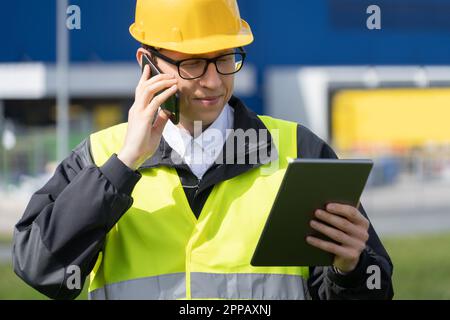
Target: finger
{"x":160,"y":122}
{"x":161,"y":98}
{"x":159,"y":77}
{"x":326,"y":246}
{"x":150,"y":91}
{"x":335,"y":234}
{"x":342,"y":224}
{"x":347,"y":211}
{"x":145,"y":75}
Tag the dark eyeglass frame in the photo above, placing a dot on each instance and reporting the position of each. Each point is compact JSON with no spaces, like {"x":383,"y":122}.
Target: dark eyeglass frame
{"x":178,"y":63}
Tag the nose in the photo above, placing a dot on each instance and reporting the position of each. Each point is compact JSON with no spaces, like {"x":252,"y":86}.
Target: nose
{"x":211,"y":79}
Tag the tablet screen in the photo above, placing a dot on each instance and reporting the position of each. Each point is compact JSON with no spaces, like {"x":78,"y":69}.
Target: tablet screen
{"x":308,"y":185}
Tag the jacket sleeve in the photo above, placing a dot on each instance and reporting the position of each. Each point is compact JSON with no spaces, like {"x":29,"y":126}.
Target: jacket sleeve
{"x":65,"y":222}
{"x":324,"y":282}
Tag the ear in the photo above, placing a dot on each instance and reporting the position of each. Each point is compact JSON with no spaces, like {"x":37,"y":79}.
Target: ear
{"x":139,"y":53}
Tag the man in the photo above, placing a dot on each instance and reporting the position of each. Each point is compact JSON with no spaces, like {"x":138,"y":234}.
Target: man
{"x":133,"y":208}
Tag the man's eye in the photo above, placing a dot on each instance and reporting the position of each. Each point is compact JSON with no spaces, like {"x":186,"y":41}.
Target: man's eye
{"x":192,"y":63}
{"x":226,"y":58}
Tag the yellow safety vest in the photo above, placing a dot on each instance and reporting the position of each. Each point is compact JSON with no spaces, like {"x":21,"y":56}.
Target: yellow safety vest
{"x":159,"y":250}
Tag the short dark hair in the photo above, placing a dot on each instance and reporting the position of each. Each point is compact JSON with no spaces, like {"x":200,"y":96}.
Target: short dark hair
{"x":147,"y":47}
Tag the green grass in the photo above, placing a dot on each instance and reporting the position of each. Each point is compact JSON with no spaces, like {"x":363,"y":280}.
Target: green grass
{"x":13,"y":288}
{"x":421,"y":270}
{"x":421,"y":266}
{"x":5,"y":240}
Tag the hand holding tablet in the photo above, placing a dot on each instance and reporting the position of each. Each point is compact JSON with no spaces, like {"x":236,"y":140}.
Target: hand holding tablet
{"x":337,"y":237}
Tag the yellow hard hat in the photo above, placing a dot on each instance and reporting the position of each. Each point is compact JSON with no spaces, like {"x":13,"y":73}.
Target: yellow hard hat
{"x":190,"y":26}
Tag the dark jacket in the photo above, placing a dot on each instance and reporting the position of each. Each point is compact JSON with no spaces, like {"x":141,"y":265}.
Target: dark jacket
{"x":66,"y":221}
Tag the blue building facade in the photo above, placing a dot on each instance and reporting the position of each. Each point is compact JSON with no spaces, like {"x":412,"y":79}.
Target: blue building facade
{"x":287,"y":32}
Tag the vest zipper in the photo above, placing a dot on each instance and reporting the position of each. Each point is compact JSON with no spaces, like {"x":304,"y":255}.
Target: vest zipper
{"x":189,"y":252}
{"x":197,"y":186}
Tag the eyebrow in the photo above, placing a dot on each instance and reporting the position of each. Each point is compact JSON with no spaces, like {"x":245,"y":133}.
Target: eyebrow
{"x":219,"y":54}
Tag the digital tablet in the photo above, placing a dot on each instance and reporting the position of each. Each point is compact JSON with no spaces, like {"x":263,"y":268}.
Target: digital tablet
{"x":308,"y":185}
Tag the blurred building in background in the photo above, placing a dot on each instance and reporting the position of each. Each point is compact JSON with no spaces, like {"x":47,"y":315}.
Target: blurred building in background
{"x":383,"y":94}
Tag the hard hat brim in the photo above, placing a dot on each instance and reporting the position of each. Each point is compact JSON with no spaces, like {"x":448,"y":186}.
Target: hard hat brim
{"x":202,"y":45}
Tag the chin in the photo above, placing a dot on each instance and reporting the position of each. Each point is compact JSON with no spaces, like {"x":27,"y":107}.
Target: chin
{"x":205,"y":112}
{"x":207,"y":119}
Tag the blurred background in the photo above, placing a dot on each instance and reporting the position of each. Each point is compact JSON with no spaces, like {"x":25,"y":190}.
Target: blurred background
{"x":382,"y":94}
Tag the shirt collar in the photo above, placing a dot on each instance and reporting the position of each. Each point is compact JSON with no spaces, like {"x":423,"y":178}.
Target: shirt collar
{"x":244,"y":119}
{"x":179,"y":139}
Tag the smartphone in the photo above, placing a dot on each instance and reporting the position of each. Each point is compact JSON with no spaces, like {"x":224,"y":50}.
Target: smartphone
{"x":173,"y":103}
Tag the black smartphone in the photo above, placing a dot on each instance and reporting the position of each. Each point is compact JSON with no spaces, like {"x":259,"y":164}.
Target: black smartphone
{"x":173,"y":103}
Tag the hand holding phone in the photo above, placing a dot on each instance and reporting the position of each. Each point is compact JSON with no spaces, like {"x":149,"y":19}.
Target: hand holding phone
{"x":146,"y":121}
{"x":173,"y":103}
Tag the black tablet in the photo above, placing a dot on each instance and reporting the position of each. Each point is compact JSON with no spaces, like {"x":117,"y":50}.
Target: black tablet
{"x":308,"y":184}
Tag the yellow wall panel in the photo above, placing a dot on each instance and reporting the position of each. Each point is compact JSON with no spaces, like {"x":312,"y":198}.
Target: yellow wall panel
{"x":391,"y":117}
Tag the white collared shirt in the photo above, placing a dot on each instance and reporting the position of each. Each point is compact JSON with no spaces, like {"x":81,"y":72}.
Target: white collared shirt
{"x":200,"y":153}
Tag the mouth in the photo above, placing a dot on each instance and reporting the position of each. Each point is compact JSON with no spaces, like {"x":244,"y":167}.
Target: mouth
{"x":208,"y":101}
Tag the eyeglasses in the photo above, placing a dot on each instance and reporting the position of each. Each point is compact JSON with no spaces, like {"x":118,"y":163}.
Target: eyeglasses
{"x":194,"y":68}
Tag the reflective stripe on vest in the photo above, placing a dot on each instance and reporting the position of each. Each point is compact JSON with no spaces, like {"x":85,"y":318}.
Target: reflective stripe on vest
{"x":164,"y":287}
{"x":264,"y":286}
{"x":206,"y":286}
{"x":160,"y":250}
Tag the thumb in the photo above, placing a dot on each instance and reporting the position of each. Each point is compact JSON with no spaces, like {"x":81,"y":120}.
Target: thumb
{"x":160,"y":122}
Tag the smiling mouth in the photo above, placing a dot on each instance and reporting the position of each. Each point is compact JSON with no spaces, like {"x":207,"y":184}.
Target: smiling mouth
{"x":208,"y":101}
{"x":213,"y":98}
